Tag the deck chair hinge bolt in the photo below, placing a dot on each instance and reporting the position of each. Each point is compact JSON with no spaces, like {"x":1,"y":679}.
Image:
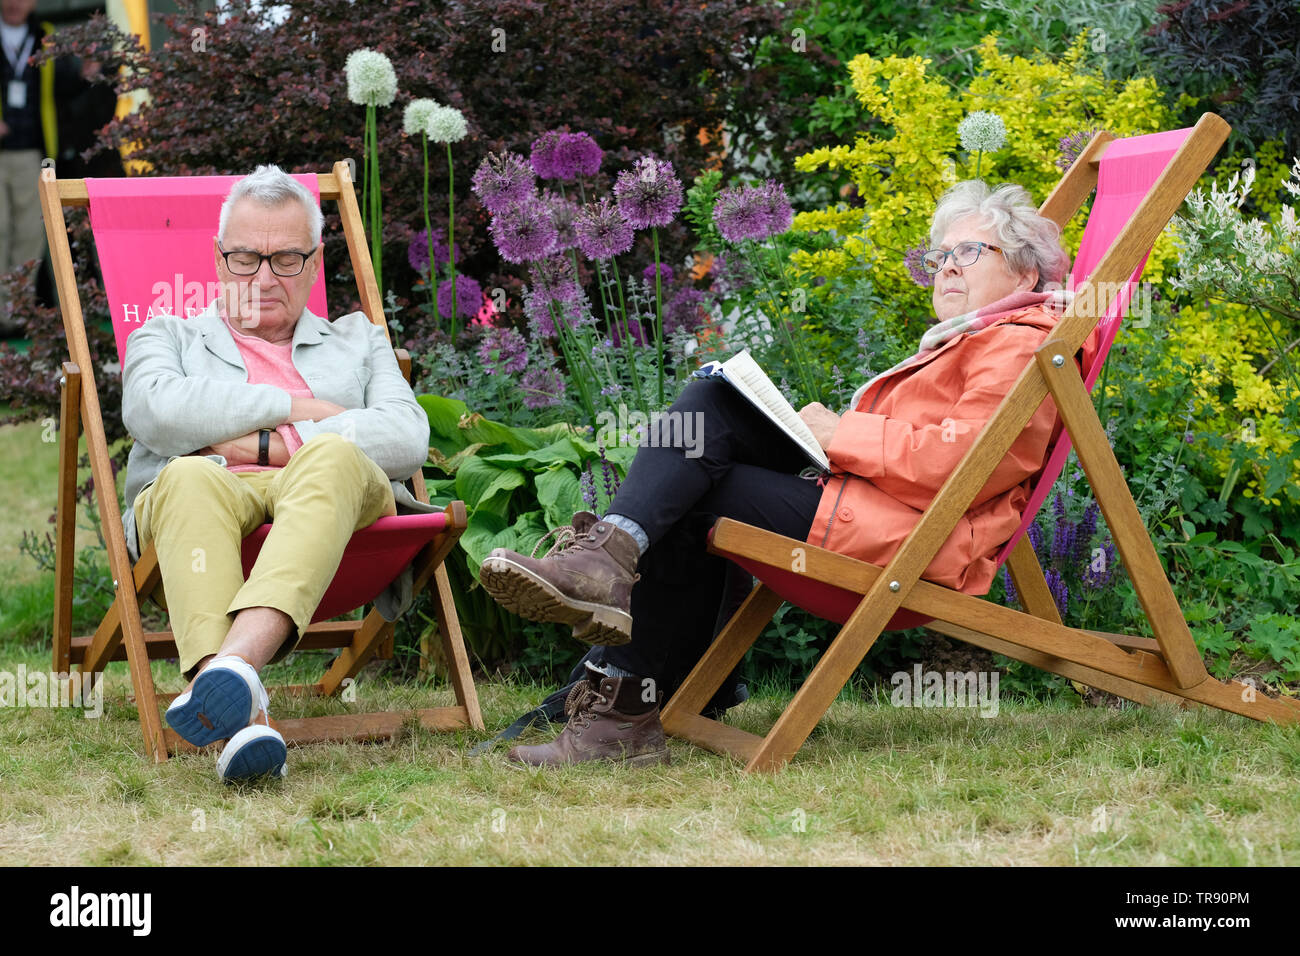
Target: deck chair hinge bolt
{"x":894,"y":585}
{"x":1058,"y":360}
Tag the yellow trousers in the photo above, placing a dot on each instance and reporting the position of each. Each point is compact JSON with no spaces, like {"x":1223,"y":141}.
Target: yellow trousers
{"x":196,"y":513}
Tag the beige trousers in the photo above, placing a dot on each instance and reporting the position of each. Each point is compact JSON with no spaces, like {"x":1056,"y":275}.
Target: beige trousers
{"x":196,"y":513}
{"x":22,"y":234}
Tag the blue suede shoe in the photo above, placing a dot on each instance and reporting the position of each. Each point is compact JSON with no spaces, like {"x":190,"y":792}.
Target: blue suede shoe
{"x":225,"y":699}
{"x":256,"y":751}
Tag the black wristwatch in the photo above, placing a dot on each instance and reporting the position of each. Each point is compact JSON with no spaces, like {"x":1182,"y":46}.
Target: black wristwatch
{"x":264,"y":446}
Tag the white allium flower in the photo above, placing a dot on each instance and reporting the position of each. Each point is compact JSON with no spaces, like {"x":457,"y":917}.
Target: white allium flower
{"x":982,"y":132}
{"x":371,"y":78}
{"x":446,"y":125}
{"x":416,"y":118}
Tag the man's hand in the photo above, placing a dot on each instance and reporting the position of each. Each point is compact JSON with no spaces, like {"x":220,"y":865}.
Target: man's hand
{"x":243,"y":450}
{"x":311,"y":409}
{"x":821,"y":421}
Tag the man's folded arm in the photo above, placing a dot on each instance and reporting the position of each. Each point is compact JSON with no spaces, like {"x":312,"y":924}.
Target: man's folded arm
{"x":174,"y":414}
{"x":392,"y":429}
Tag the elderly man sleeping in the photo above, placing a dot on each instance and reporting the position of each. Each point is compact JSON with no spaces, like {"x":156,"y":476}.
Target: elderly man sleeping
{"x":256,"y":410}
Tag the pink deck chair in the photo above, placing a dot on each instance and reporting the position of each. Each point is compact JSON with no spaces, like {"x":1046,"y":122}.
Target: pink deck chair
{"x":1140,"y":182}
{"x":154,"y":241}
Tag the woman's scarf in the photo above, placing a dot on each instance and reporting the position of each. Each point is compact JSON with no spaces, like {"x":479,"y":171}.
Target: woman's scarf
{"x":969,"y":323}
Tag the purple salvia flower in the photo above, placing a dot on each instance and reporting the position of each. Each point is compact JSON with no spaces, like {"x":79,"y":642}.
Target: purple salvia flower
{"x":1058,"y":505}
{"x":524,"y":231}
{"x":1063,"y":537}
{"x":1083,"y":538}
{"x":542,"y":387}
{"x":1060,"y":592}
{"x":738,"y":216}
{"x":503,"y":351}
{"x":648,"y":194}
{"x":1096,"y":580}
{"x":503,"y":179}
{"x":1035,"y":534}
{"x":609,"y":475}
{"x":603,"y":231}
{"x":775,"y":208}
{"x":912,"y":259}
{"x":1010,"y":588}
{"x":469,"y":297}
{"x":587,"y":484}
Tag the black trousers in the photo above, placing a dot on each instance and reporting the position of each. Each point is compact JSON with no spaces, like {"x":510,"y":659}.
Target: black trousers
{"x":736,"y":465}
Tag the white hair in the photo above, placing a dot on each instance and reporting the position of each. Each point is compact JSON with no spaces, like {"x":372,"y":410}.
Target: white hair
{"x":271,"y":186}
{"x":1028,"y":240}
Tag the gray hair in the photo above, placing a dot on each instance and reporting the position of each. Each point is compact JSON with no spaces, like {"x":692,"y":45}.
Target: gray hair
{"x":1028,"y":240}
{"x":271,"y":186}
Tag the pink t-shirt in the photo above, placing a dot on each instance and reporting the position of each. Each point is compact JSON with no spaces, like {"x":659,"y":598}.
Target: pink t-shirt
{"x":270,"y":363}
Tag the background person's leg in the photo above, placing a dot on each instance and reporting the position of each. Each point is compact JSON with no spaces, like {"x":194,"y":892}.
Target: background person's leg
{"x":678,"y":603}
{"x":328,"y":490}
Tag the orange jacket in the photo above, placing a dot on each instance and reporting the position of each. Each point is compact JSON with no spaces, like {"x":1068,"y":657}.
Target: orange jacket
{"x":893,"y":452}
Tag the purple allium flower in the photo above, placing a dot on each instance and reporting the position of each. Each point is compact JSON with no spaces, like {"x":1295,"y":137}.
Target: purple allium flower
{"x":775,"y":207}
{"x":603,"y":231}
{"x":1060,"y":591}
{"x":524,"y":231}
{"x":685,"y":310}
{"x":502,"y":351}
{"x":1009,"y":586}
{"x":634,"y":332}
{"x":553,"y":279}
{"x":542,"y":312}
{"x":738,"y":215}
{"x":469,"y":297}
{"x":1071,"y":146}
{"x":912,"y":259}
{"x":503,"y":179}
{"x":648,"y":194}
{"x":564,"y":212}
{"x":665,"y":273}
{"x":417,"y":253}
{"x":542,"y":387}
{"x":565,"y":156}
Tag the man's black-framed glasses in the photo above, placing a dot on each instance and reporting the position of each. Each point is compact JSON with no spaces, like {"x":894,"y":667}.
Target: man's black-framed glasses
{"x":285,"y":264}
{"x":963,"y":254}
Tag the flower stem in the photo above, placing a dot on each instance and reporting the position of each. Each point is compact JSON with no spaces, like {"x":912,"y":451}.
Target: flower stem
{"x":451,"y":236}
{"x":428,"y":230}
{"x":376,"y":221}
{"x":659,"y":318}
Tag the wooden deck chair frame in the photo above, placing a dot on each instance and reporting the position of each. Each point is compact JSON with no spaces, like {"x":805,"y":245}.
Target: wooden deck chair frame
{"x":1166,"y":668}
{"x":120,"y":635}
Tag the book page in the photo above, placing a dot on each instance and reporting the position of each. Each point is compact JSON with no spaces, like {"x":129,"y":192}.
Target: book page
{"x":751,"y":381}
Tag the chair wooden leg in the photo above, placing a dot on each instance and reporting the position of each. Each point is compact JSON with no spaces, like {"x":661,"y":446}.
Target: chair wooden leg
{"x":453,"y":647}
{"x":722,"y":656}
{"x":65,"y":550}
{"x":373,"y":631}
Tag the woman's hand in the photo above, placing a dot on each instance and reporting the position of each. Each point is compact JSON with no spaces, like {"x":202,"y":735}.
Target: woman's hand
{"x":821,"y":421}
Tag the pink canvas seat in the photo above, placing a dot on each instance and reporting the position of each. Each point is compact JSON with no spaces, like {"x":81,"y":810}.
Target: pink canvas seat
{"x":154,"y":238}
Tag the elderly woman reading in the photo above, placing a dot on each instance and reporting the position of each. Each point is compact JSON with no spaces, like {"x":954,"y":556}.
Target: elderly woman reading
{"x":254,"y":410}
{"x":640,"y":577}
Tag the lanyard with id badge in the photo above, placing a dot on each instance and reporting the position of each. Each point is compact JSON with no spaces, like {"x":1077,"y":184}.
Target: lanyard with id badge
{"x":16,"y":94}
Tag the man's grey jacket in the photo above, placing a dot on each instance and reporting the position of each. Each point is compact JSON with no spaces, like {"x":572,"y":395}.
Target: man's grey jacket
{"x":185,"y":386}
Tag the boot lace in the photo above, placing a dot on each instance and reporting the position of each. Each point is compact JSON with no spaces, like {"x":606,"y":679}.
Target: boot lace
{"x":565,"y":540}
{"x":577,"y":706}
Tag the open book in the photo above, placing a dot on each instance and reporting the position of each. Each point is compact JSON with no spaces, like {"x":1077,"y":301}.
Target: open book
{"x":743,"y":374}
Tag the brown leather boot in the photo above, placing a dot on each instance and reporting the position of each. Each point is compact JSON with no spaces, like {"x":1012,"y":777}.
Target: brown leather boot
{"x":585,"y":580}
{"x":608,"y":720}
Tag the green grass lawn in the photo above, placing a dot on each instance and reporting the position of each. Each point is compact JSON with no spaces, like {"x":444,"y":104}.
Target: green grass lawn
{"x":1036,"y":784}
